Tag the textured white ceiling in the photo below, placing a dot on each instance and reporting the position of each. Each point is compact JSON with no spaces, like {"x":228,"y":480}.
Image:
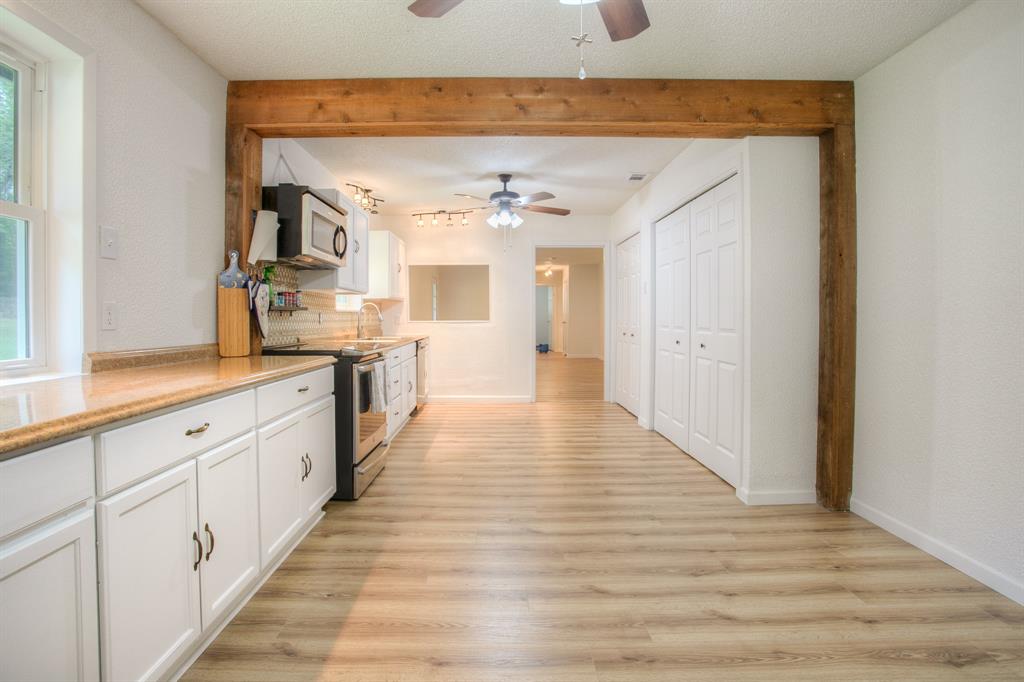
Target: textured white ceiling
{"x":586,"y":175}
{"x":788,"y":39}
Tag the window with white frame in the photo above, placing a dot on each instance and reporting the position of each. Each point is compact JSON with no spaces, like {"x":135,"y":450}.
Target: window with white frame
{"x":22,"y":218}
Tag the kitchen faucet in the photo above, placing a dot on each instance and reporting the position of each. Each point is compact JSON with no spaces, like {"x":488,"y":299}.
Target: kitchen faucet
{"x":359,"y":318}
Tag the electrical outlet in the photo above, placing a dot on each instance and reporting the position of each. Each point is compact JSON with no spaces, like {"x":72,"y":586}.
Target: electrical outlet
{"x":109,"y":315}
{"x":108,"y":242}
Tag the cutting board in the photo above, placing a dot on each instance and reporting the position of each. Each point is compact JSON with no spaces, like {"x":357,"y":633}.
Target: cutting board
{"x":233,"y":322}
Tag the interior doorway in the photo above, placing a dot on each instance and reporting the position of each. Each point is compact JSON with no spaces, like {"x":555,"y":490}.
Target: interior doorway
{"x":569,"y":323}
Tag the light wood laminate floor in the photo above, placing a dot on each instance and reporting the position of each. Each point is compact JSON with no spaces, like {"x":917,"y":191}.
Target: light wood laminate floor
{"x":562,"y":379}
{"x":560,"y":541}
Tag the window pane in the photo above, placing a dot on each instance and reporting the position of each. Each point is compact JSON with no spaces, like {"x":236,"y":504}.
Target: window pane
{"x":14,"y":299}
{"x":8,"y":133}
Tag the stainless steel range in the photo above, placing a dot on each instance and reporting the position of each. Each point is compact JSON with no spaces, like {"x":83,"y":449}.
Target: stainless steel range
{"x":360,"y":421}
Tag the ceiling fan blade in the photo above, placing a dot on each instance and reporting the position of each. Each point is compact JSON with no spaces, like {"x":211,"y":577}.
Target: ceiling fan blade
{"x":537,"y":196}
{"x":473,"y":197}
{"x":432,"y":8}
{"x":624,"y":18}
{"x":545,"y":209}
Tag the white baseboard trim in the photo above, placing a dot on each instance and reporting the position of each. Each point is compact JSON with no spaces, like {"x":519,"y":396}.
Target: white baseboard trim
{"x":765,"y":497}
{"x":998,"y":581}
{"x":434,"y":398}
{"x":577,"y":356}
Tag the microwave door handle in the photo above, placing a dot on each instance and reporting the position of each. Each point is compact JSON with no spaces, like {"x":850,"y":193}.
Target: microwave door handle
{"x":339,"y":232}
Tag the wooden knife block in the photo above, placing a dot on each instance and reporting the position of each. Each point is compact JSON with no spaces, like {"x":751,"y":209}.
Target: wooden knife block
{"x":233,"y":322}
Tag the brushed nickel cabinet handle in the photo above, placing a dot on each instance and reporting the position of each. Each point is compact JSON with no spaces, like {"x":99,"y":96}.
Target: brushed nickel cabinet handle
{"x":199,"y":555}
{"x":305,"y":471}
{"x":357,"y":245}
{"x":410,"y":387}
{"x":212,"y":540}
{"x":200,"y":429}
{"x":310,"y":462}
{"x":303,"y":389}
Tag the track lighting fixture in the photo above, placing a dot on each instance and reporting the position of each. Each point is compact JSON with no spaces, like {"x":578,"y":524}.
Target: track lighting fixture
{"x":449,"y":216}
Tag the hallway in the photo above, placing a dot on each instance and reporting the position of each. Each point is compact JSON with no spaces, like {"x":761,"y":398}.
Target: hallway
{"x":560,"y":541}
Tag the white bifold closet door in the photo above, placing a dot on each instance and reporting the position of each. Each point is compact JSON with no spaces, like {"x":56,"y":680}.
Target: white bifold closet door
{"x":698,"y":319}
{"x":627,"y":333}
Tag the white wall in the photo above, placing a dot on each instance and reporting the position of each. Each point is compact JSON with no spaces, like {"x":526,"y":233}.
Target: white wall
{"x":938,"y":454}
{"x":486,"y":361}
{"x":585,"y":312}
{"x":782,"y":225}
{"x":159,"y":175}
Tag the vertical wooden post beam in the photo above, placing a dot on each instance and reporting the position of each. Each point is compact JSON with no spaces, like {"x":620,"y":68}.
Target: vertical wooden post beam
{"x":837,"y":326}
{"x":244,"y":180}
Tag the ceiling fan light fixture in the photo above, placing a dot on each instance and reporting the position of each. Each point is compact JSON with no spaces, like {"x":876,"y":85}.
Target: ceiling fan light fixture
{"x":492,"y":220}
{"x":515,"y":221}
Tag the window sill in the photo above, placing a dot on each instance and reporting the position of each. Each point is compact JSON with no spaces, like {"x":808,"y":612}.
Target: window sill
{"x":26,"y":376}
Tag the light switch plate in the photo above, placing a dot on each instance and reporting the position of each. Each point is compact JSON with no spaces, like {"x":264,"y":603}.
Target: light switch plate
{"x":108,"y":319}
{"x":108,"y":242}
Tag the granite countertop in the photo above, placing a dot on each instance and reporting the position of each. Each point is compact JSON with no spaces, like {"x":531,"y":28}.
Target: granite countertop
{"x":36,"y":412}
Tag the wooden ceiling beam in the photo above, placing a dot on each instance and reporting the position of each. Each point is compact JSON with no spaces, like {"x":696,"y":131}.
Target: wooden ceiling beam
{"x":538,"y":106}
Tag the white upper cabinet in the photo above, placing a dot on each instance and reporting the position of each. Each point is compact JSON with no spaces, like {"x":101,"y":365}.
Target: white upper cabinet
{"x":388,"y":276}
{"x":353,"y":278}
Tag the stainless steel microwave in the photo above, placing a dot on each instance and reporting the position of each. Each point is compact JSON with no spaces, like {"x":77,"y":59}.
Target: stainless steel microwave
{"x":313,"y":232}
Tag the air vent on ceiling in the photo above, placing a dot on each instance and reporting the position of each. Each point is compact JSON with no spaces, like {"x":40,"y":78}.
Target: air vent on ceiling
{"x":637,"y":177}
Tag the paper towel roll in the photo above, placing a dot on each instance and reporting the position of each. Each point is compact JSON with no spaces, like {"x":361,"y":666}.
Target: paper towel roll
{"x":264,"y":237}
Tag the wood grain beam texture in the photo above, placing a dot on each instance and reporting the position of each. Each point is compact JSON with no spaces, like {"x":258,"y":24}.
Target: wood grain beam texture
{"x":593,"y":107}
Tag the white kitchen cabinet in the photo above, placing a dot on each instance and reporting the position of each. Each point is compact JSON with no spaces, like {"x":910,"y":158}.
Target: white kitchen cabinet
{"x":388,"y":270}
{"x":48,"y":624}
{"x":282,"y":465}
{"x":150,"y":553}
{"x":228,"y":523}
{"x":360,"y":253}
{"x":409,"y":386}
{"x":320,"y":480}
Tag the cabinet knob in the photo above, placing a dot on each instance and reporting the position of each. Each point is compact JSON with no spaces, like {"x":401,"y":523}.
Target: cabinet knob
{"x":677,"y":342}
{"x":703,"y":346}
{"x":200,"y":429}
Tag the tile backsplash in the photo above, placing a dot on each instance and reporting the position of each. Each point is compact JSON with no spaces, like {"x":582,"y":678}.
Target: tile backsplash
{"x":320,"y":320}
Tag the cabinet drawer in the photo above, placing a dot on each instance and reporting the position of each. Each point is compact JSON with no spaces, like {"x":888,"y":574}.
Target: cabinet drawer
{"x":396,"y":356}
{"x":394,"y":379}
{"x":274,"y":400}
{"x":133,"y":452}
{"x":41,"y":484}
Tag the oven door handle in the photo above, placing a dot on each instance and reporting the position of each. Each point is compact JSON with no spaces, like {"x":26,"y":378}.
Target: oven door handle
{"x":363,"y":369}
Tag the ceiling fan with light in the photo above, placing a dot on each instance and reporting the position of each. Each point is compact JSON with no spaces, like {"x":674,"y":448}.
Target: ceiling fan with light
{"x":623,"y":18}
{"x":505,"y":203}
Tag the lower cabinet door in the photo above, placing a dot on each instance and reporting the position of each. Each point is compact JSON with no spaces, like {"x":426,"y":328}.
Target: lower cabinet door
{"x":320,"y":481}
{"x":228,"y":523}
{"x":282,"y":464}
{"x":48,"y":603}
{"x":409,"y":386}
{"x":149,"y":559}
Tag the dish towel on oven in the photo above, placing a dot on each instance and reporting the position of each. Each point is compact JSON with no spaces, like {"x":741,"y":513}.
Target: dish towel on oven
{"x":378,"y":390}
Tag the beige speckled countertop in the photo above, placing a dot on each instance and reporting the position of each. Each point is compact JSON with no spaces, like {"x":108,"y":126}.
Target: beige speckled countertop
{"x":36,"y":412}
